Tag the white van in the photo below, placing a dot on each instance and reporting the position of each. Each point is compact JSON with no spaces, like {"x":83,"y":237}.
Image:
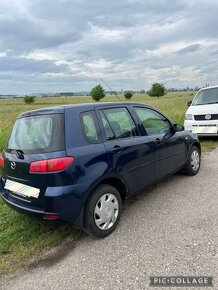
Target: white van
{"x":201,"y":117}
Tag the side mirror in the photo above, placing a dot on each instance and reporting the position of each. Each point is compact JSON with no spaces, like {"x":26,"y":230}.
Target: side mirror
{"x":189,"y":103}
{"x":179,"y":127}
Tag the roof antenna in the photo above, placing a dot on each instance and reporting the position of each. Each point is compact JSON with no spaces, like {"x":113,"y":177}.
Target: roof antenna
{"x":112,"y":91}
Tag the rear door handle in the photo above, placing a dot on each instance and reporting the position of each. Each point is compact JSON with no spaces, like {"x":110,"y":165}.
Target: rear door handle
{"x":117,"y":148}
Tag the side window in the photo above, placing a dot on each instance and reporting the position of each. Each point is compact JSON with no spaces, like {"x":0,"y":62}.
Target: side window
{"x":107,"y":128}
{"x":89,"y":127}
{"x":118,"y":123}
{"x":153,"y":122}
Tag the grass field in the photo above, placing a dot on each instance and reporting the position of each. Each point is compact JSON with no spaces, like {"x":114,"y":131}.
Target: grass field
{"x":22,"y":237}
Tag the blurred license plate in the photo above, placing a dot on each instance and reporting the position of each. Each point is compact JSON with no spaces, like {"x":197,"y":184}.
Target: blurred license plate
{"x":22,"y":189}
{"x":204,"y":130}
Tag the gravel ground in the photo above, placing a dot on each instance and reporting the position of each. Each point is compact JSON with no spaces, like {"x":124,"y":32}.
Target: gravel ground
{"x":170,"y":229}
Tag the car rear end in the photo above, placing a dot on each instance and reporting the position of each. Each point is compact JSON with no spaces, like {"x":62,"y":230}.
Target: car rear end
{"x":36,"y":172}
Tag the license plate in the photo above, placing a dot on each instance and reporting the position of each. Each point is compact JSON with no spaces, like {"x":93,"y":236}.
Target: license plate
{"x":205,"y":130}
{"x":22,"y":189}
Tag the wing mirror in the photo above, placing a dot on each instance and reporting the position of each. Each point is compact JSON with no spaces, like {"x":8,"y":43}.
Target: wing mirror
{"x":179,"y":127}
{"x":189,"y":103}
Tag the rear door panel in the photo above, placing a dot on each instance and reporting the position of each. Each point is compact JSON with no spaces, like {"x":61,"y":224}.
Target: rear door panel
{"x":131,"y":157}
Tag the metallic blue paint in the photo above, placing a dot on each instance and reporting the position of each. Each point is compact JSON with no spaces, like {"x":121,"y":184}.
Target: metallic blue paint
{"x":135,"y":162}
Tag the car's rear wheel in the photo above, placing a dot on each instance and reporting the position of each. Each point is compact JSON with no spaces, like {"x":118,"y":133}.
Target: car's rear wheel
{"x":194,"y":161}
{"x":102,"y":211}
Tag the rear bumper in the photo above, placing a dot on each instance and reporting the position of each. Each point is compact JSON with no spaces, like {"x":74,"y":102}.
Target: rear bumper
{"x":18,"y":207}
{"x":62,"y":205}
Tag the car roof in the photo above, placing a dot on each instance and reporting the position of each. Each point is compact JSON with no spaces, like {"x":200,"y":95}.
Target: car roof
{"x":207,"y":88}
{"x":88,"y":106}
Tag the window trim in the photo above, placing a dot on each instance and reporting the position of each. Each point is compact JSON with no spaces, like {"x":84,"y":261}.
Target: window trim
{"x":92,"y":113}
{"x":102,"y":112}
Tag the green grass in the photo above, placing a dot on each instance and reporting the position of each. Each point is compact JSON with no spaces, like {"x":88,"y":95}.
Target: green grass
{"x":21,"y":237}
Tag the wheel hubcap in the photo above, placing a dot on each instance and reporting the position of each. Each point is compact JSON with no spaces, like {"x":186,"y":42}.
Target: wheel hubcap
{"x":106,"y":211}
{"x":195,"y":160}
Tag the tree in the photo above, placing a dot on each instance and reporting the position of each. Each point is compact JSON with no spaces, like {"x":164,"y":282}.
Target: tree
{"x":29,"y":99}
{"x":97,"y":93}
{"x":157,"y":90}
{"x":128,"y":95}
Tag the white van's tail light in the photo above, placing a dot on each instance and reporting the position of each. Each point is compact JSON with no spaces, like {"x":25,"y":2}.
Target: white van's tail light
{"x":51,"y":165}
{"x":2,"y":161}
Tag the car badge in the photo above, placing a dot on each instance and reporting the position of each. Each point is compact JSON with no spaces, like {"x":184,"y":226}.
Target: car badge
{"x":207,"y":117}
{"x":13,"y":165}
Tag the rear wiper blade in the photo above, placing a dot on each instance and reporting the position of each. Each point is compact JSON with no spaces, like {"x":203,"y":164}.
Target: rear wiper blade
{"x":19,"y":153}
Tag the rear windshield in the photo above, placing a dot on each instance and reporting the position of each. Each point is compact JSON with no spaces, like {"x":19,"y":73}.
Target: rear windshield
{"x":38,"y":134}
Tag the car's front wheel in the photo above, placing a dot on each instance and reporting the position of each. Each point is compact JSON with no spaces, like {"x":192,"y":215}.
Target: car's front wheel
{"x":102,"y":211}
{"x":194,"y":161}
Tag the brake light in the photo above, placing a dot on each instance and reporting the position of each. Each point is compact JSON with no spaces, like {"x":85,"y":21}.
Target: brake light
{"x":51,"y":165}
{"x":2,"y":161}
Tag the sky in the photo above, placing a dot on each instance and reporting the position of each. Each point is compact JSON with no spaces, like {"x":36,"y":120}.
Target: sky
{"x":71,"y":45}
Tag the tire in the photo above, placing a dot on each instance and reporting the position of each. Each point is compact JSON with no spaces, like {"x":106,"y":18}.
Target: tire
{"x":194,"y":161}
{"x":102,"y":211}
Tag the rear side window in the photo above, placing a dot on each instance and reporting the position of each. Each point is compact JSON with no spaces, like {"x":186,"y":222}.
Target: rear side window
{"x":118,"y":123}
{"x":89,"y":125}
{"x":38,"y":134}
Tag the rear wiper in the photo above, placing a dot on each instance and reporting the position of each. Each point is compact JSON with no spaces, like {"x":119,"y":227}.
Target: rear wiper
{"x":19,"y":153}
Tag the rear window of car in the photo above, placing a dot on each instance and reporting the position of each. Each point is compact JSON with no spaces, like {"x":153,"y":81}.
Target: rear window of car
{"x":38,"y":134}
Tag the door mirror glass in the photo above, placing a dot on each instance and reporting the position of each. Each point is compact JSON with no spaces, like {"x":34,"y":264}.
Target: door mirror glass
{"x":179,"y":127}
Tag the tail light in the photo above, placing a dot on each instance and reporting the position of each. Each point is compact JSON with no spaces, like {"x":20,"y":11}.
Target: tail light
{"x":2,"y":161}
{"x":51,"y":165}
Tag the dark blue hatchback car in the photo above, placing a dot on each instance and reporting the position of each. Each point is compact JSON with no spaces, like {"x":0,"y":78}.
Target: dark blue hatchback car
{"x":78,"y":163}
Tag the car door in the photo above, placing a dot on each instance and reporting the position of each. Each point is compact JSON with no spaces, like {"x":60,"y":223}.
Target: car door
{"x":130,"y":154}
{"x":168,"y":145}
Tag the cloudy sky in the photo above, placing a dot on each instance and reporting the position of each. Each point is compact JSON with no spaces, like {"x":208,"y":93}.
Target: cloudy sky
{"x":70,"y":45}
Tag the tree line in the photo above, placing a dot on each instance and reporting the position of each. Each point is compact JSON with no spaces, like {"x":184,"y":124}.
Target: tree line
{"x":97,"y":93}
{"x":156,"y":90}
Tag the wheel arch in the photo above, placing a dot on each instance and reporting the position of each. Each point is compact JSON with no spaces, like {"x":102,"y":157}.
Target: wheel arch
{"x":197,"y":144}
{"x":114,"y":181}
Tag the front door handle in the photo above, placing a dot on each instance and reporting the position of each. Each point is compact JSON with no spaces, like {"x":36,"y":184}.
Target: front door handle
{"x":158,"y":141}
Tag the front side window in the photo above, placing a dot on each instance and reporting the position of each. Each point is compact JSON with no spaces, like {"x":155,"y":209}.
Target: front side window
{"x":152,"y":121}
{"x":89,"y":127}
{"x":118,"y":123}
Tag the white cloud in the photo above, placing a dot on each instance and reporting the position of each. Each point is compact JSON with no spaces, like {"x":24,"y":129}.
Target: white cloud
{"x":71,"y":45}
